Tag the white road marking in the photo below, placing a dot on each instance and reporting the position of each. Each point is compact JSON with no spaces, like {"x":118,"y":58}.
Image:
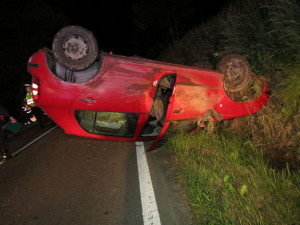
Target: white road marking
{"x":149,"y":206}
{"x":30,"y":143}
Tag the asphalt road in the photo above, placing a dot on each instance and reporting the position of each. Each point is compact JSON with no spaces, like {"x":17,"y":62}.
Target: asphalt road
{"x":65,"y":179}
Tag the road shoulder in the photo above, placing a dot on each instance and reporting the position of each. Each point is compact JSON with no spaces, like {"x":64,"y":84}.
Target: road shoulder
{"x":171,"y":198}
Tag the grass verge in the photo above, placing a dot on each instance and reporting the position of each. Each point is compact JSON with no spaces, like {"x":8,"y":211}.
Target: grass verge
{"x":228,"y":181}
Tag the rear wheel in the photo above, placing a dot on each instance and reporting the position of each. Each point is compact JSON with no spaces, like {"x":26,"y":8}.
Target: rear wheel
{"x":75,"y":47}
{"x":236,"y":71}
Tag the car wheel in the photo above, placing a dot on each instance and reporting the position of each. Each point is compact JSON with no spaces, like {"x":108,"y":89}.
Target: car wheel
{"x":75,"y":47}
{"x":236,"y":71}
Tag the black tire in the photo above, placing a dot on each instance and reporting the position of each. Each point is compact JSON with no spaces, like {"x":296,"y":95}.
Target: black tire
{"x":236,"y":71}
{"x":75,"y":48}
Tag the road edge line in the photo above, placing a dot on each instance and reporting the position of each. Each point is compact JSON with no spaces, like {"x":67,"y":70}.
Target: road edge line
{"x":149,"y":206}
{"x":30,"y":143}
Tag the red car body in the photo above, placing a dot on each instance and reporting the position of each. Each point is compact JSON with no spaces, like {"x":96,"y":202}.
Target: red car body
{"x":128,"y":85}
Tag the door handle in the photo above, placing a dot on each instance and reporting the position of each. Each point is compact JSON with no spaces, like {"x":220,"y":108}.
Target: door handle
{"x":88,"y":100}
{"x":178,"y":111}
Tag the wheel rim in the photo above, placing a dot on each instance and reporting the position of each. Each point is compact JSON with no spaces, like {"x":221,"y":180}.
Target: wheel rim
{"x":234,"y":74}
{"x":75,"y":47}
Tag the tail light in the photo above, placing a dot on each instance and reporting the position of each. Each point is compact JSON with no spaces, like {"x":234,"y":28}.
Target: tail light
{"x":35,"y":88}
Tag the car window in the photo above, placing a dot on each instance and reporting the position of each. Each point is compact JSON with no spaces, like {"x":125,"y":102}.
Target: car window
{"x":108,"y":123}
{"x":86,"y":119}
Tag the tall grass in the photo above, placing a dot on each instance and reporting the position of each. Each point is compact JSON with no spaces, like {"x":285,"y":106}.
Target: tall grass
{"x":276,"y":128}
{"x":267,"y":32}
{"x":229,"y":181}
{"x":291,"y":91}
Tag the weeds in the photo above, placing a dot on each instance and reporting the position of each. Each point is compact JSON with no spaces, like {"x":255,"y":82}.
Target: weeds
{"x":267,"y":32}
{"x":229,"y":181}
{"x":277,"y":127}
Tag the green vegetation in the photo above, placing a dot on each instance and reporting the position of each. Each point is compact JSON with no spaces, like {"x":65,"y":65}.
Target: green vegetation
{"x":247,"y":170}
{"x":229,"y":182}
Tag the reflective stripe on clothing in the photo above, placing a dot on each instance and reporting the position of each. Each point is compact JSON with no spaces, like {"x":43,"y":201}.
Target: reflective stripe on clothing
{"x":29,"y":99}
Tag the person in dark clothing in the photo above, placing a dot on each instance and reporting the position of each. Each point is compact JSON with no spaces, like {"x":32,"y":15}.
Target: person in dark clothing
{"x":4,"y":118}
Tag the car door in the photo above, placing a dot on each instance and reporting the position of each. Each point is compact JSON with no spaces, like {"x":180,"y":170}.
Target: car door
{"x":163,"y":97}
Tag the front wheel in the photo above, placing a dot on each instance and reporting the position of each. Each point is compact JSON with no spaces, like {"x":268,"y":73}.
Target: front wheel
{"x":75,"y":48}
{"x":236,"y":71}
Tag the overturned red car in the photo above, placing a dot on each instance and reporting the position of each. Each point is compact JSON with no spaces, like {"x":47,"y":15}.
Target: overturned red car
{"x":94,"y":94}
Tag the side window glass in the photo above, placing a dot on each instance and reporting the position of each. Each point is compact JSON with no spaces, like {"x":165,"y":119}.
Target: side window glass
{"x":86,"y":119}
{"x":116,"y":124}
{"x":108,"y":123}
